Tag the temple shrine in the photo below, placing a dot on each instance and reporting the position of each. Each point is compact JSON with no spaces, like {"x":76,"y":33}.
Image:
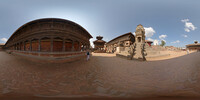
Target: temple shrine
{"x":99,"y":45}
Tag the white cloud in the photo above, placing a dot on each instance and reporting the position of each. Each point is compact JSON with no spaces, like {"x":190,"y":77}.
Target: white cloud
{"x":162,"y":37}
{"x":177,"y":41}
{"x":4,"y":39}
{"x":186,"y":29}
{"x":150,"y":39}
{"x":185,"y":20}
{"x":184,"y":35}
{"x":188,"y":25}
{"x":91,"y":42}
{"x":149,"y":31}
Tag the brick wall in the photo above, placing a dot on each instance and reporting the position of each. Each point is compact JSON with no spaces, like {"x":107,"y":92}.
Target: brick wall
{"x":68,"y":46}
{"x":45,"y":46}
{"x":27,"y":46}
{"x":57,"y":45}
{"x":35,"y":45}
{"x":75,"y":46}
{"x":22,"y":46}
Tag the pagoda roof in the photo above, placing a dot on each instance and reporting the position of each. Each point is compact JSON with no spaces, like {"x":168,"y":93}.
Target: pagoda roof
{"x":99,"y":41}
{"x":126,"y":34}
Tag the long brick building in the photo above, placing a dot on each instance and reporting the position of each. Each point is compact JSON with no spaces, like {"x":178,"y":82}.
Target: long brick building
{"x":49,"y":37}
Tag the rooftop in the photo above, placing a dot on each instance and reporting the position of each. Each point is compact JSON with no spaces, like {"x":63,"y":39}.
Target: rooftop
{"x":194,"y":44}
{"x":121,"y":36}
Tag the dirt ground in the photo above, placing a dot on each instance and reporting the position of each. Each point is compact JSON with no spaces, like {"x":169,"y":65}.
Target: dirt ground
{"x":104,"y":75}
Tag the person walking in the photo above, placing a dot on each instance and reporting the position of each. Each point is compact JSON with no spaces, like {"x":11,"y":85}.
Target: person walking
{"x":88,"y":55}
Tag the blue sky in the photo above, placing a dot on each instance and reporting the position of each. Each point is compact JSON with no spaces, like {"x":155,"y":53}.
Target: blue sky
{"x":175,"y":21}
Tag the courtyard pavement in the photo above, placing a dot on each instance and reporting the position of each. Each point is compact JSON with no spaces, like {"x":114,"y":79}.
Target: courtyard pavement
{"x":104,"y":75}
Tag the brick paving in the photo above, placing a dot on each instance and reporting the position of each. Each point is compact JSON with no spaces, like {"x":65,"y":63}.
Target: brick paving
{"x":104,"y":75}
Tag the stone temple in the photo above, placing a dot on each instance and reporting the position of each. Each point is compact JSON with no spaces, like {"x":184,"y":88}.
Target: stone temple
{"x":133,"y":46}
{"x":99,"y":45}
{"x":137,"y":49}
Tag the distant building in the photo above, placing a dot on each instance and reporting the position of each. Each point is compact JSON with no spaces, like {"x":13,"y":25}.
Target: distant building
{"x":135,"y":46}
{"x":148,"y":42}
{"x":120,"y":43}
{"x":99,"y":45}
{"x":195,"y":46}
{"x":155,"y":42}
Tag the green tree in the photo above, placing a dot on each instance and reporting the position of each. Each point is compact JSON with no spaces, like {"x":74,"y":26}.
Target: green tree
{"x":162,"y":43}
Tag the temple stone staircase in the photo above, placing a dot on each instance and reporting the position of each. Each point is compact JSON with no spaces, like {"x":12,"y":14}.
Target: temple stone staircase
{"x":139,"y":52}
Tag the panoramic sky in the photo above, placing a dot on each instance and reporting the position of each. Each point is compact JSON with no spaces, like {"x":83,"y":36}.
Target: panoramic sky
{"x":175,"y":21}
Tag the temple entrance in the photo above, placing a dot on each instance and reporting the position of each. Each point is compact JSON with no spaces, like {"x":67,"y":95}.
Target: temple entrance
{"x":139,"y":39}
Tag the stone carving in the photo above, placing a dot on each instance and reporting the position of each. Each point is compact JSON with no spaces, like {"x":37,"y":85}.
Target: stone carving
{"x":137,"y":50}
{"x":132,"y":51}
